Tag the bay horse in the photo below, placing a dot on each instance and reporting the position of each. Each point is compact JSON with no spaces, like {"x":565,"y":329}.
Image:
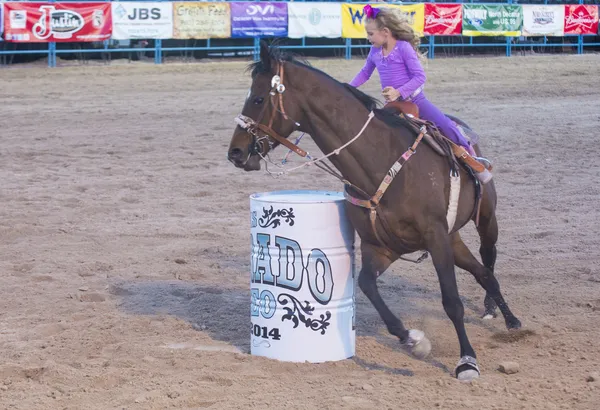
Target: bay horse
{"x":286,"y":95}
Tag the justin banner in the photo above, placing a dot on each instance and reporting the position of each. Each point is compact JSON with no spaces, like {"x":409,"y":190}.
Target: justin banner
{"x":60,"y":22}
{"x":482,"y":20}
{"x":581,"y":19}
{"x":132,"y":20}
{"x":443,"y":19}
{"x":542,"y":20}
{"x":314,"y":20}
{"x":201,"y":20}
{"x":353,"y":18}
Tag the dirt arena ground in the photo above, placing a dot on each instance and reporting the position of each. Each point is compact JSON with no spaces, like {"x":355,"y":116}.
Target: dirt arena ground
{"x":124,"y":246}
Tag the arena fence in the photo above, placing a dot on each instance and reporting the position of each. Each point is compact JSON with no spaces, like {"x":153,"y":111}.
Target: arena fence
{"x":189,"y":30}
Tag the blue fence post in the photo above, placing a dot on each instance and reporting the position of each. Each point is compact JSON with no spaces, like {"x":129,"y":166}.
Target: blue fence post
{"x":348,"y":48}
{"x":432,"y":47}
{"x":580,"y":39}
{"x":509,"y":39}
{"x":51,"y":49}
{"x":51,"y":54}
{"x":256,"y":55}
{"x":158,"y":51}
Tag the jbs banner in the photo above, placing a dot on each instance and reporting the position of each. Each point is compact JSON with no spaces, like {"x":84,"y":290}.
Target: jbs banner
{"x":251,"y":19}
{"x":581,"y":19}
{"x":314,"y":20}
{"x":480,"y":20}
{"x":133,"y":20}
{"x":353,"y":18}
{"x":201,"y":20}
{"x":443,"y":19}
{"x":61,"y":22}
{"x":542,"y":20}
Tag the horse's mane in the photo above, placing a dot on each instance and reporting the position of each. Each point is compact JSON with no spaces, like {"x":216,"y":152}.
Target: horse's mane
{"x":371,"y":103}
{"x":277,"y":54}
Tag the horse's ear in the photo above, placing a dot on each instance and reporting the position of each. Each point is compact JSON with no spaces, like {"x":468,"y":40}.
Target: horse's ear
{"x":265,"y":56}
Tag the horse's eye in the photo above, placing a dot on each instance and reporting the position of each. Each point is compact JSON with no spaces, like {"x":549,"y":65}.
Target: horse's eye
{"x":258,"y":100}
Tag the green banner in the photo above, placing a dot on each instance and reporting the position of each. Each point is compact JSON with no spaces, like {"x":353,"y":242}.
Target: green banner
{"x":480,"y":20}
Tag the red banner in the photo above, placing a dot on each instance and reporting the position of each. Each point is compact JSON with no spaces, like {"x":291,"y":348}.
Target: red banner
{"x":443,"y":19}
{"x":64,"y":22}
{"x":581,"y":19}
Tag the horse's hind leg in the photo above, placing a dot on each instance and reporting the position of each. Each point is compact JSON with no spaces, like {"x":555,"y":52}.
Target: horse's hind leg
{"x":440,"y":247}
{"x":488,"y":234}
{"x":464,"y":259}
{"x":374,"y":263}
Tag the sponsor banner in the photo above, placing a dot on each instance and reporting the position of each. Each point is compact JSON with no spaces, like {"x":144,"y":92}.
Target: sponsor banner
{"x":581,"y":19}
{"x":543,"y":20}
{"x":353,"y":18}
{"x":252,"y":19}
{"x":443,"y":19}
{"x":60,"y":22}
{"x":415,"y":13}
{"x":353,"y":21}
{"x":483,"y":20}
{"x":314,"y":20}
{"x":133,"y":20}
{"x":201,"y":20}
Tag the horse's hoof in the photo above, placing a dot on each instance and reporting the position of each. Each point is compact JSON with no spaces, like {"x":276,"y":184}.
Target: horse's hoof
{"x":418,"y":345}
{"x":513,"y":323}
{"x":468,"y":375}
{"x":488,"y":315}
{"x":467,"y":369}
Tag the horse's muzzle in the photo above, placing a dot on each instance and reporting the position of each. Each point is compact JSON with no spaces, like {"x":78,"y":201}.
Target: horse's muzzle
{"x":242,"y":160}
{"x":236,"y":156}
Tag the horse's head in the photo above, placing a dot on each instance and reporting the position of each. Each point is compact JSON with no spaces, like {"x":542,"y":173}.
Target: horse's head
{"x":270,"y":112}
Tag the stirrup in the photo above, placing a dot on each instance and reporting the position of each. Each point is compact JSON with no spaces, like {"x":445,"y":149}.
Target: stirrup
{"x":486,"y":162}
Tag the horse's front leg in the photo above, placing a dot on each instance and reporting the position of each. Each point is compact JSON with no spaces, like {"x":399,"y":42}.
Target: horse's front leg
{"x":440,"y":248}
{"x":374,"y":263}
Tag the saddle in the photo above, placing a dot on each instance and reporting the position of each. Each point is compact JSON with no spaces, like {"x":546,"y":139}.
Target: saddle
{"x":433,"y":137}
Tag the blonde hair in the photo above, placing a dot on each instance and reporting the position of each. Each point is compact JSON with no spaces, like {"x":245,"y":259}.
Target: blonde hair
{"x":396,"y":21}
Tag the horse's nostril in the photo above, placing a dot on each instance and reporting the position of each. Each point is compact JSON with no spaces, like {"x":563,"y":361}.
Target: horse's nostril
{"x":235,"y":154}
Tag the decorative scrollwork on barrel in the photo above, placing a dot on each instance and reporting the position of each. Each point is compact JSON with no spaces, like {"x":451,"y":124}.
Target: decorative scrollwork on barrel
{"x":273,"y":218}
{"x":298,"y":313}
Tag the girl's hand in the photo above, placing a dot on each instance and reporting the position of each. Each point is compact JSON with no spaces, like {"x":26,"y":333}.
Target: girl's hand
{"x":390,"y":94}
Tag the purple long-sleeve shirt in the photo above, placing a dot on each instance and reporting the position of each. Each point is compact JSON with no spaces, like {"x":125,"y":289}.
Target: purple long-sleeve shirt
{"x":400,"y":69}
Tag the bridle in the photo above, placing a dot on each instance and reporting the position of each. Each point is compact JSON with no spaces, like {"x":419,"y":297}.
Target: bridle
{"x":255,"y":127}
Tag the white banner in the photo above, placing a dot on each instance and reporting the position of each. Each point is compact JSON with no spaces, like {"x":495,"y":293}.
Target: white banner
{"x":314,"y":20}
{"x":543,"y":20}
{"x":142,"y":20}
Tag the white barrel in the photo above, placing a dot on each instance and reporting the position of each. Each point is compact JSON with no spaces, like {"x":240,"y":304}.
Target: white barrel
{"x":302,"y":276}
